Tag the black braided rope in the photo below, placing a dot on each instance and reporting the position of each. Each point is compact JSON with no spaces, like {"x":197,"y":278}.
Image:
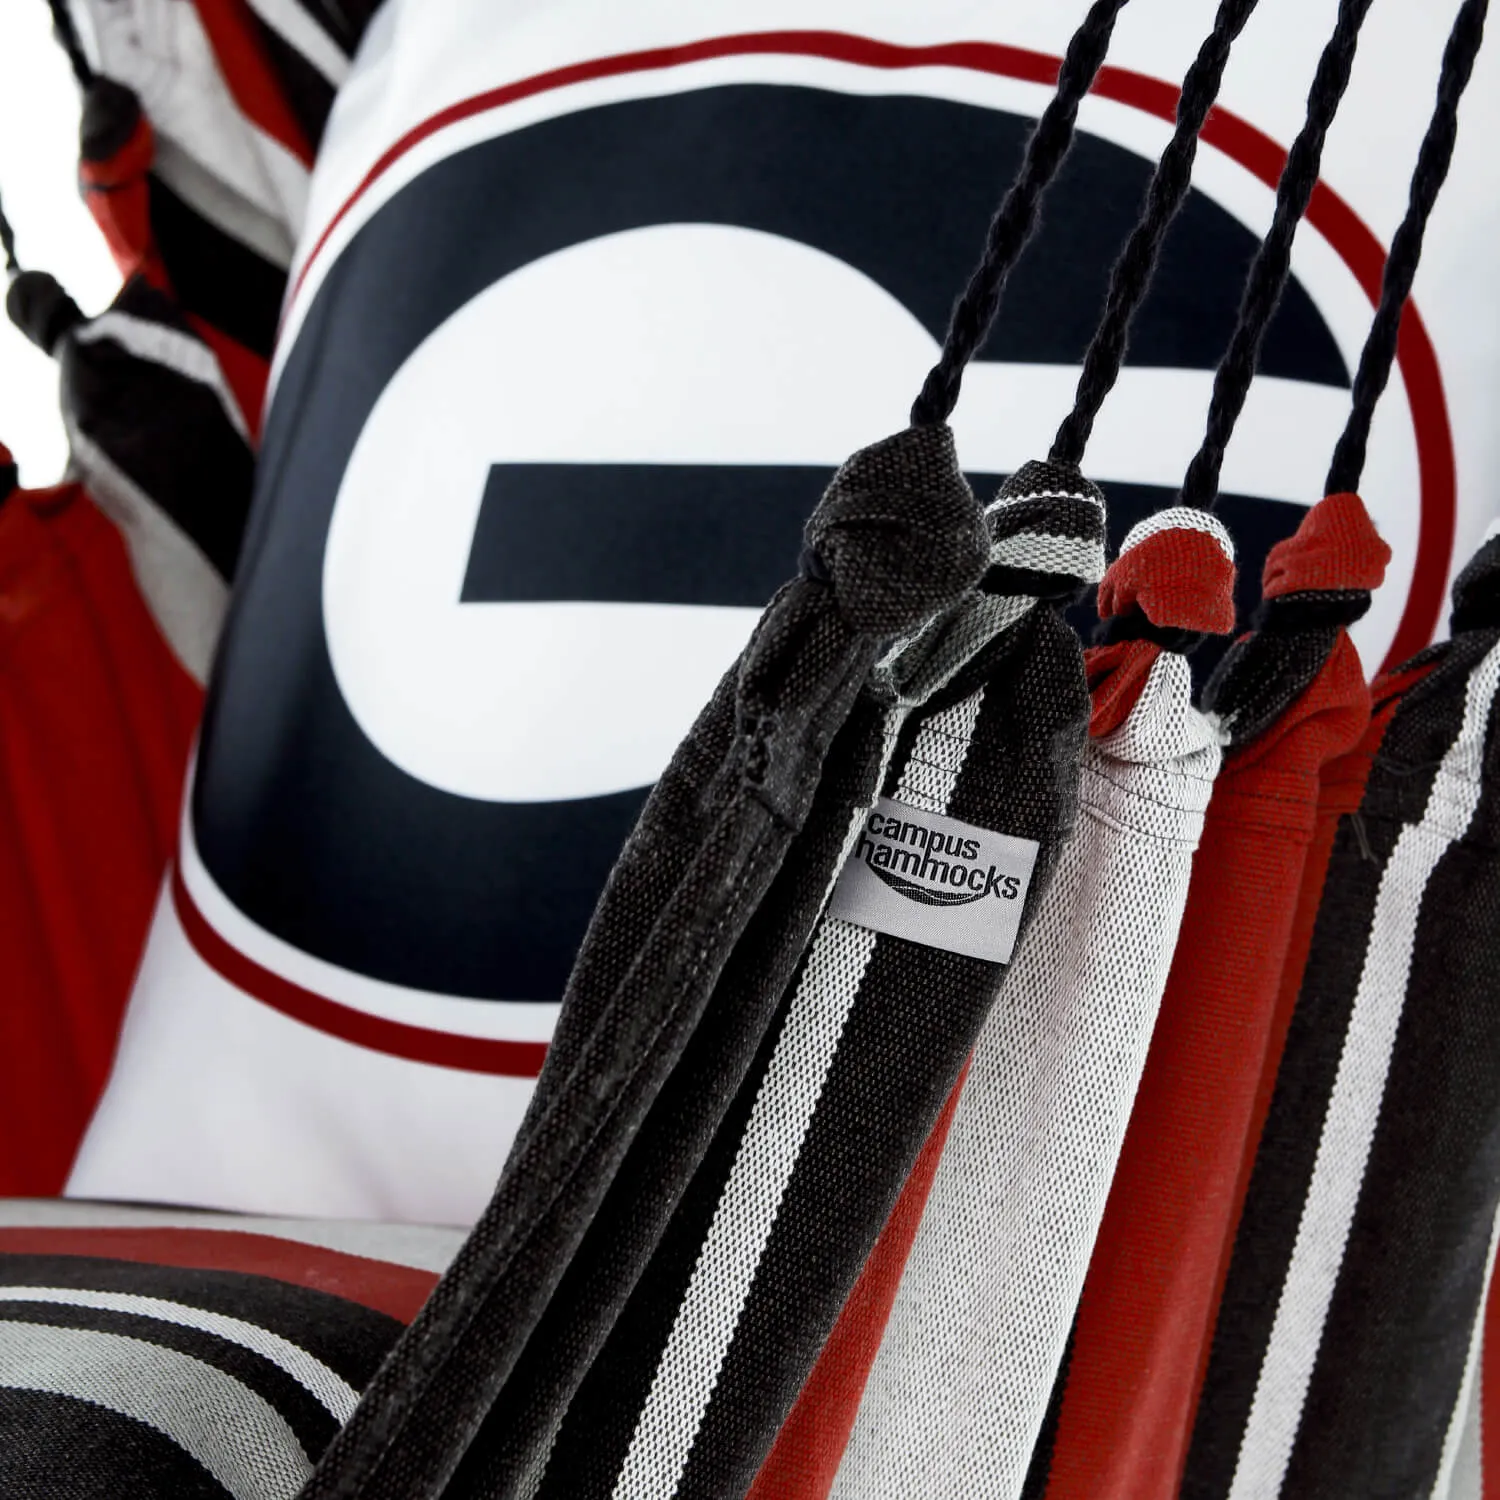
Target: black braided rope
{"x":1379,"y":353}
{"x":67,"y":36}
{"x":1131,"y":276}
{"x":8,"y":243}
{"x":1016,"y":217}
{"x":1273,"y":260}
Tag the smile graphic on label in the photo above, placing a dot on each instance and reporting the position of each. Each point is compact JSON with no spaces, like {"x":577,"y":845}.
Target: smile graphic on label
{"x":937,"y":881}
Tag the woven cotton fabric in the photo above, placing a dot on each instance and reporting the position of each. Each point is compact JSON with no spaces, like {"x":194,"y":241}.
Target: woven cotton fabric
{"x":193,"y":1363}
{"x":710,"y":1349}
{"x":1292,"y":695}
{"x":1004,"y":1241}
{"x":1346,"y":1330}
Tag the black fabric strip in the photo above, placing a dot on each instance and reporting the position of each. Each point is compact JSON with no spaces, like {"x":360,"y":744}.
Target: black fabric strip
{"x":307,"y":92}
{"x":308,"y":1418}
{"x":1136,"y":625}
{"x":61,"y":1448}
{"x":1409,"y":1290}
{"x":1314,"y":609}
{"x":349,"y":1338}
{"x":1049,"y":516}
{"x":1263,"y":674}
{"x":213,"y":274}
{"x":167,"y":432}
{"x":1424,"y":725}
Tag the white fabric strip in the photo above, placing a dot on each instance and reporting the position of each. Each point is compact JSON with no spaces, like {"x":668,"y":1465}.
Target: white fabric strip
{"x":1050,"y":554}
{"x":291,"y":22}
{"x":1354,"y":1106}
{"x":742,"y":1223}
{"x":1180,"y":518}
{"x":162,"y":345}
{"x":241,"y":1439}
{"x":1004,"y":1243}
{"x":216,"y":201}
{"x":332,"y":1392}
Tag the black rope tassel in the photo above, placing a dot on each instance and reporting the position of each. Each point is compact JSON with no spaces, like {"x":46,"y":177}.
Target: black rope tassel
{"x":1379,"y":353}
{"x":1016,"y":217}
{"x":8,"y":244}
{"x":1131,"y":276}
{"x":1269,"y":270}
{"x":67,"y":36}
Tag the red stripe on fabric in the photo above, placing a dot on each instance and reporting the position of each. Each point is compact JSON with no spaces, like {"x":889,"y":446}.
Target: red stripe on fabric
{"x":441,"y":1049}
{"x":1489,"y":1397}
{"x":382,"y":1285}
{"x":252,"y":81}
{"x":244,"y":370}
{"x":811,"y":1443}
{"x":1237,"y":138}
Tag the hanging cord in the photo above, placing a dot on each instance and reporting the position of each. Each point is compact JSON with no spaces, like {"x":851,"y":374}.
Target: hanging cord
{"x":8,"y":246}
{"x":67,"y":36}
{"x":1131,"y":276}
{"x":1273,"y":261}
{"x":1016,"y":217}
{"x":1379,"y":353}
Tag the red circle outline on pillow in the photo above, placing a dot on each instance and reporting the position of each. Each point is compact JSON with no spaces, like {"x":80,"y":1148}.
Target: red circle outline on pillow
{"x":1241,"y":141}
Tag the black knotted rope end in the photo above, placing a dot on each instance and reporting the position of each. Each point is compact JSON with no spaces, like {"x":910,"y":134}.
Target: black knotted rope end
{"x":898,"y":535}
{"x":37,"y":304}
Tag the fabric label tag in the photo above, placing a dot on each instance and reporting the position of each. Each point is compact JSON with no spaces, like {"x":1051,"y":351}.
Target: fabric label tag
{"x":936,"y":881}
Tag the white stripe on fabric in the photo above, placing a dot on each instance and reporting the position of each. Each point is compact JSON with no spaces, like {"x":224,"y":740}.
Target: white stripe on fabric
{"x":334,"y":1393}
{"x":1001,"y":502}
{"x":742,"y":1223}
{"x":1467,"y":1481}
{"x":1180,"y":518}
{"x":938,"y":755}
{"x":291,"y":22}
{"x":1075,"y":556}
{"x":241,"y":1439}
{"x":1460,"y":1448}
{"x":162,"y":345}
{"x":1354,"y":1106}
{"x":184,"y":592}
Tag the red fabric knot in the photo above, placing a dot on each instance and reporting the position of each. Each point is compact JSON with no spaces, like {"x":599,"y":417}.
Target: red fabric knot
{"x":1335,"y":547}
{"x":1178,"y":566}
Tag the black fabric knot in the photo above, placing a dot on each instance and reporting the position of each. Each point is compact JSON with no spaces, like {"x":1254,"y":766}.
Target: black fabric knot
{"x":41,"y":309}
{"x":1135,"y":625}
{"x":1476,"y":591}
{"x":111,"y":113}
{"x":1046,"y":534}
{"x":898,"y":532}
{"x":1313,"y":609}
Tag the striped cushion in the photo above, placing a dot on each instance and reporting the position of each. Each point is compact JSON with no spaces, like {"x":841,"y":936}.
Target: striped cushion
{"x":147,"y":1353}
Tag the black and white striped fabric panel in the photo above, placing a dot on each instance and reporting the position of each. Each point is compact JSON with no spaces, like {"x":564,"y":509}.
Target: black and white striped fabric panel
{"x":119,"y":1379}
{"x":1346,"y":1326}
{"x":160,"y":442}
{"x":713,"y":1346}
{"x":310,"y":44}
{"x":1000,"y":1256}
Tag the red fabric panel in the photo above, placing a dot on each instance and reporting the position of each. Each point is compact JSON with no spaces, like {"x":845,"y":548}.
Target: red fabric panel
{"x":1180,"y":577}
{"x":114,"y":188}
{"x":251,"y":79}
{"x":245,"y":371}
{"x":96,"y":717}
{"x":398,"y":1291}
{"x":1116,"y":676}
{"x":1149,"y":1303}
{"x":811,"y":1443}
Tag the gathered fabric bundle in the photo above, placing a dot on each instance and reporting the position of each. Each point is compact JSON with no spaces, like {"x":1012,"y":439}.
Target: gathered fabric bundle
{"x":1018,"y":1189}
{"x":1290,"y":696}
{"x":724,"y":1324}
{"x":1342,"y":1356}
